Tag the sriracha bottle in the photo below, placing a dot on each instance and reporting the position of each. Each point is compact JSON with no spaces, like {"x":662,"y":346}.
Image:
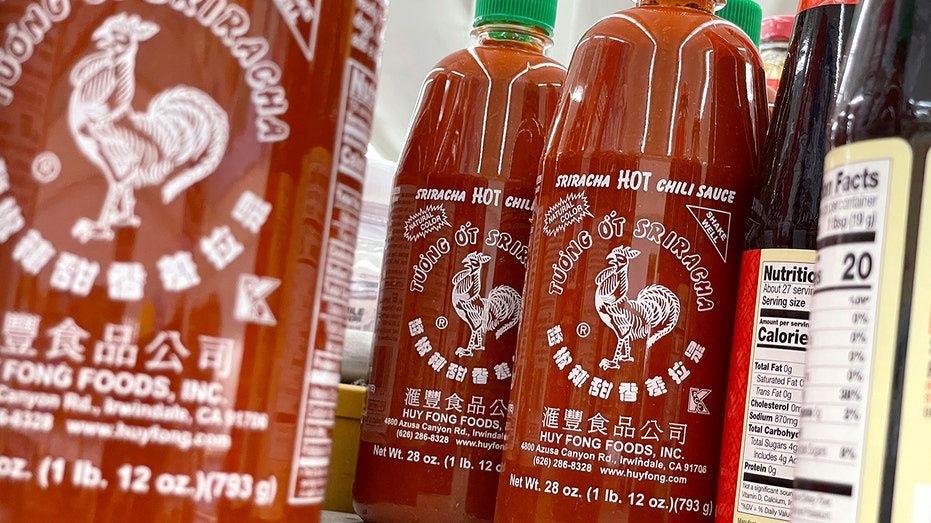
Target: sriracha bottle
{"x":866,"y":415}
{"x":454,"y":269}
{"x":180,"y":185}
{"x":771,"y":327}
{"x":621,"y":366}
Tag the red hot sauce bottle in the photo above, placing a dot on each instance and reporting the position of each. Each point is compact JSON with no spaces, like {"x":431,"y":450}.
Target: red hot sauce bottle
{"x":777,"y":275}
{"x":454,"y":268}
{"x":622,"y":359}
{"x":180,"y":185}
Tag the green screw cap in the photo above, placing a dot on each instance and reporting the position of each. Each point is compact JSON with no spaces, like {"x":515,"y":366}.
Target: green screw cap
{"x":539,"y":13}
{"x":745,"y":14}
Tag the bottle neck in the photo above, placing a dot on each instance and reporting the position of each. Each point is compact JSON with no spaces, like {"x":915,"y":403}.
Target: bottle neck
{"x":531,"y":39}
{"x":805,"y":5}
{"x":705,"y":5}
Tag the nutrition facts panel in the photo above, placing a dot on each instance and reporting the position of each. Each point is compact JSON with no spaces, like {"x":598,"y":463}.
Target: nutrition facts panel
{"x":843,"y":329}
{"x":774,"y":392}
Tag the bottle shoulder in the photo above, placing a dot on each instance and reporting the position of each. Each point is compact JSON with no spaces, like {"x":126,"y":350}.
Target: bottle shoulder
{"x":797,"y":134}
{"x":675,"y":30}
{"x":677,"y":81}
{"x":484,"y":111}
{"x":886,"y":89}
{"x":498,"y":64}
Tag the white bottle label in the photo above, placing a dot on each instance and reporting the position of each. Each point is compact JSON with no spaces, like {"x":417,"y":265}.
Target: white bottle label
{"x":859,"y":349}
{"x":765,"y":386}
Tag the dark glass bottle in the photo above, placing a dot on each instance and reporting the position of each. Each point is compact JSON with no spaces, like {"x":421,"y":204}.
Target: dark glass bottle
{"x":785,"y":207}
{"x":771,"y":328}
{"x":866,"y":416}
{"x":886,"y":89}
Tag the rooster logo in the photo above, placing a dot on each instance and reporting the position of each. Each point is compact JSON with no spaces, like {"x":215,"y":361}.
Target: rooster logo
{"x":499,"y":312}
{"x":652,"y":315}
{"x":182,"y":134}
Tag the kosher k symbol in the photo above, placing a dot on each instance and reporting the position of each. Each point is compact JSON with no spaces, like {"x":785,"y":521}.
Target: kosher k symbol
{"x":251,"y":306}
{"x":697,"y":401}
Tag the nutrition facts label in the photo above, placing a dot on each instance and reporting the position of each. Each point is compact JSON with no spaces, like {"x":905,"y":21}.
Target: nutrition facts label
{"x":775,"y":389}
{"x":844,"y":326}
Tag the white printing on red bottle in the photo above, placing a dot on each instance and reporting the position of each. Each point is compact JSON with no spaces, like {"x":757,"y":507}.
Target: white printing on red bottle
{"x":156,"y":312}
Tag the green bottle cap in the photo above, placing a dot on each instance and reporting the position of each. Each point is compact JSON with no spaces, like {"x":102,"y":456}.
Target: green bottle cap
{"x":745,"y":14}
{"x":539,"y":13}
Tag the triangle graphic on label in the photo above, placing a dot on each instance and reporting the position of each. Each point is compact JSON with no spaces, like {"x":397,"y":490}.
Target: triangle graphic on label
{"x":717,"y":226}
{"x":302,"y":17}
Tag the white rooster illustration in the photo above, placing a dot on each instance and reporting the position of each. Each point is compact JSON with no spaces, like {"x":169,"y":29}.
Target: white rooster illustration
{"x":498,"y":312}
{"x":652,"y":315}
{"x":183,"y":131}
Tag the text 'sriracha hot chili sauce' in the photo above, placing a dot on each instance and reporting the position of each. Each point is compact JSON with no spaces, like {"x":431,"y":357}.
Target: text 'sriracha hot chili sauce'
{"x":452,"y":294}
{"x":625,"y":339}
{"x":179,"y":194}
{"x":771,"y":330}
{"x":866,"y":411}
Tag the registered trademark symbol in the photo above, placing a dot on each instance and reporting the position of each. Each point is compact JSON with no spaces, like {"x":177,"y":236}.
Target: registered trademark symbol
{"x":442,"y":323}
{"x":583,"y":330}
{"x":46,"y":167}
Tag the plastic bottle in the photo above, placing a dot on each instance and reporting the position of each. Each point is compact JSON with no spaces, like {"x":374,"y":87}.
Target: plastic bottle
{"x":619,"y":391}
{"x":866,"y":417}
{"x":775,"y":34}
{"x":179,"y":197}
{"x":453,"y":278}
{"x":777,"y":275}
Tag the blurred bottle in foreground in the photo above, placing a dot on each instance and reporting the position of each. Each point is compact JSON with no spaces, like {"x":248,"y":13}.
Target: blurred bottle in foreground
{"x":179,"y":200}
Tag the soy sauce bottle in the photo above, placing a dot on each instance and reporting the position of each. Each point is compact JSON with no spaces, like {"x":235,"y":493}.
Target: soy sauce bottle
{"x":866,"y":417}
{"x":785,"y":208}
{"x":771,"y":326}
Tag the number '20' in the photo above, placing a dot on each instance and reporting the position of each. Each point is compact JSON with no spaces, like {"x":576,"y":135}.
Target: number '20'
{"x":857,"y":267}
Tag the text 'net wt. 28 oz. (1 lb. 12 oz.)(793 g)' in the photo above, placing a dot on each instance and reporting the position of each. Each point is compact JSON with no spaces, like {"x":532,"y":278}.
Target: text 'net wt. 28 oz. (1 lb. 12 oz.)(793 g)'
{"x":179,"y":194}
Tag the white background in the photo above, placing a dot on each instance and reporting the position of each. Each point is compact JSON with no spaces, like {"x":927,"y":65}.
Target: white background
{"x":421,"y":32}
